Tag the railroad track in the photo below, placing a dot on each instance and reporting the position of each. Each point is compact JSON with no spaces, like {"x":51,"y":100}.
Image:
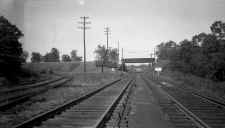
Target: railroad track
{"x":188,"y":110}
{"x":90,"y":110}
{"x":11,"y":97}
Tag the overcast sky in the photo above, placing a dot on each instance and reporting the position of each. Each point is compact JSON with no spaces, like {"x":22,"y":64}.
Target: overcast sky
{"x":139,"y":25}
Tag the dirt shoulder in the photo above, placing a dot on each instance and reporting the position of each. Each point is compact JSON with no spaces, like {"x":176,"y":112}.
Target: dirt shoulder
{"x":145,"y":112}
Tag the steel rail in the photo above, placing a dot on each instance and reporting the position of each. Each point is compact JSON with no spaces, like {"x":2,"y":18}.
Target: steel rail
{"x":28,"y":86}
{"x":196,"y":120}
{"x":51,"y":113}
{"x":12,"y":100}
{"x":204,"y":97}
{"x":104,"y":118}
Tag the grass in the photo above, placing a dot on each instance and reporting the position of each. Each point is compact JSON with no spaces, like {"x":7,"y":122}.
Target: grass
{"x":201,"y":84}
{"x":63,"y":67}
{"x":54,"y":97}
{"x":52,"y":66}
{"x":91,"y":68}
{"x":38,"y":71}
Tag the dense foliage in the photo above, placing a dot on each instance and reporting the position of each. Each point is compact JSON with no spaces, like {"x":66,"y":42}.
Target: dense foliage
{"x":66,"y":58}
{"x":74,"y":56}
{"x":203,"y":56}
{"x":24,"y":56}
{"x":52,"y":56}
{"x":106,"y":57}
{"x":36,"y":57}
{"x":10,"y":48}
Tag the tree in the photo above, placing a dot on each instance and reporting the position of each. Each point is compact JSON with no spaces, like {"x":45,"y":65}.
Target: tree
{"x":218,"y":29}
{"x":66,"y":58}
{"x":55,"y":54}
{"x":24,"y":56}
{"x":165,"y":50}
{"x":35,"y":57}
{"x":74,"y":56}
{"x":104,"y":57}
{"x":114,"y":56}
{"x":214,"y":51}
{"x":203,"y":56}
{"x":101,"y":56}
{"x":10,"y":48}
{"x":52,"y":56}
{"x":199,"y":38}
{"x":100,"y":52}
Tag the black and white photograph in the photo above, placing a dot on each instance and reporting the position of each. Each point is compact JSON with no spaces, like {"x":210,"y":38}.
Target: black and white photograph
{"x":112,"y":63}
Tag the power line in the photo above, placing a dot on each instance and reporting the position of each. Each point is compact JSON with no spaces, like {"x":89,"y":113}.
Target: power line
{"x":84,"y":22}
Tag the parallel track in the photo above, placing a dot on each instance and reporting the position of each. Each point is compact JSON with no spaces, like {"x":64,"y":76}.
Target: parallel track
{"x":11,"y":97}
{"x":189,"y":110}
{"x":92,"y":109}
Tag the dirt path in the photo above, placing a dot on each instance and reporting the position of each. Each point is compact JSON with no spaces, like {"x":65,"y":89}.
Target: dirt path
{"x":145,"y":112}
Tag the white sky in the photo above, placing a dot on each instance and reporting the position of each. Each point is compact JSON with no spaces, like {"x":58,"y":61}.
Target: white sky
{"x":139,"y":25}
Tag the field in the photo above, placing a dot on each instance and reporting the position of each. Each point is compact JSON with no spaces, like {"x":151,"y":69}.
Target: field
{"x":52,"y":66}
{"x":63,"y":67}
{"x":47,"y":70}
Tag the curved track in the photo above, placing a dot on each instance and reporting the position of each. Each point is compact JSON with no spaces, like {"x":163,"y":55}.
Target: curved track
{"x":90,"y":110}
{"x":186,"y":109}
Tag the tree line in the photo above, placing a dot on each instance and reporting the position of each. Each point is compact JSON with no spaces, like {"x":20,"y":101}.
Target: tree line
{"x":203,"y":55}
{"x":54,"y":56}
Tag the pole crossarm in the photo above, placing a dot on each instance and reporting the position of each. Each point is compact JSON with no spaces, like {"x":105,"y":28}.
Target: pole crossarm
{"x":84,"y":22}
{"x":107,"y":30}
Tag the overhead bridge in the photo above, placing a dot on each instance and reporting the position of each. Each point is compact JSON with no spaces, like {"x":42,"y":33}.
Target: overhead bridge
{"x":138,"y":60}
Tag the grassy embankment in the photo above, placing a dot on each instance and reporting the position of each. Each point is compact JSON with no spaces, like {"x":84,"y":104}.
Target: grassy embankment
{"x":201,"y":84}
{"x":56,"y":67}
{"x":32,"y":72}
{"x":76,"y":67}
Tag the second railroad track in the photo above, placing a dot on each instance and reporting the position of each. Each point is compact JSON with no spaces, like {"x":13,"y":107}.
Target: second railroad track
{"x":186,"y":109}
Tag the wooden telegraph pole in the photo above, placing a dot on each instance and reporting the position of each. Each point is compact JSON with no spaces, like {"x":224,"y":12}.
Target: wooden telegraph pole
{"x":84,"y":28}
{"x":107,"y":32}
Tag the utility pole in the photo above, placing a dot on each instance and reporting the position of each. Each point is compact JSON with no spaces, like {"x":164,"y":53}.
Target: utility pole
{"x":155,"y":56}
{"x":107,"y":30}
{"x":122,"y":64}
{"x":151,"y":55}
{"x":84,"y":22}
{"x":118,"y":51}
{"x":122,"y":53}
